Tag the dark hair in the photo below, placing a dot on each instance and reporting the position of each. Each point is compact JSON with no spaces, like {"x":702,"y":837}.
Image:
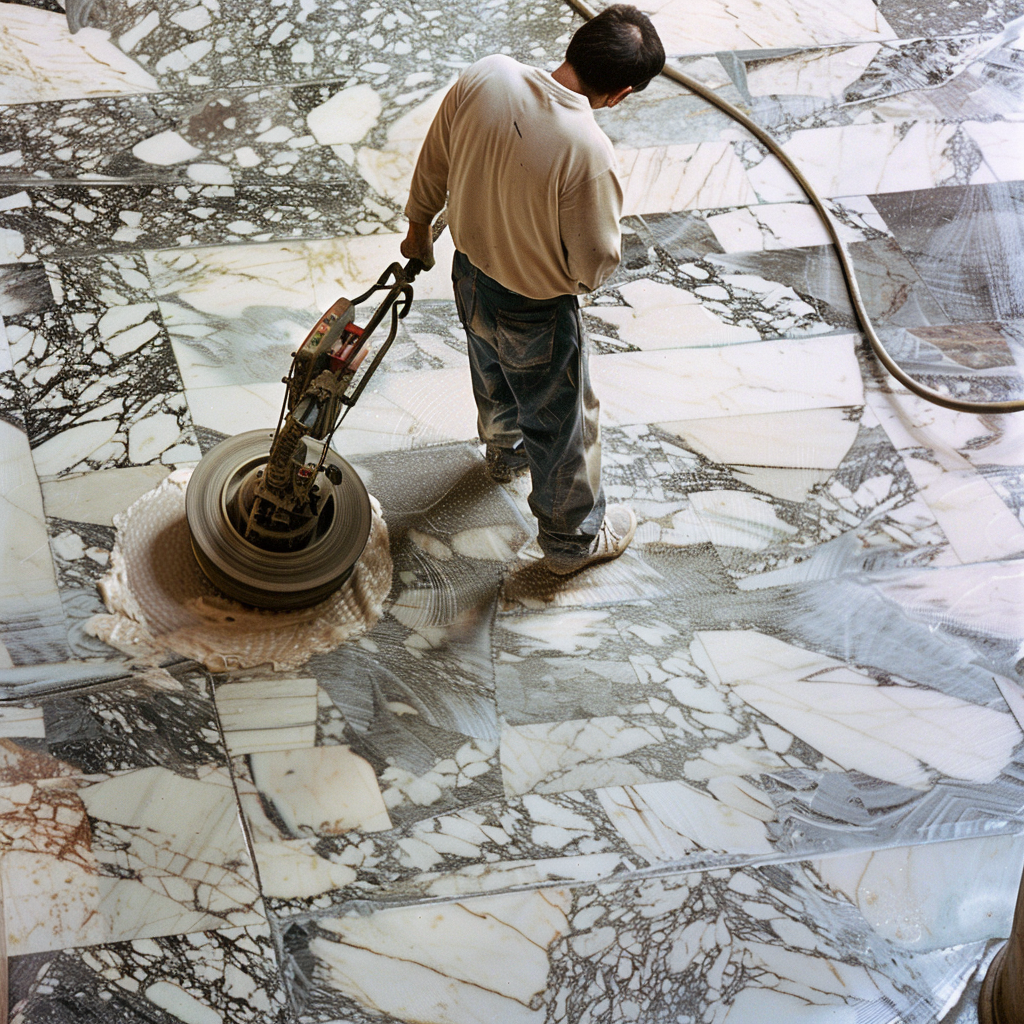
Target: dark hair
{"x":618,"y":48}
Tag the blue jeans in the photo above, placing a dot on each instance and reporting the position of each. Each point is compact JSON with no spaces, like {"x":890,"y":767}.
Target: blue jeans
{"x":528,"y":363}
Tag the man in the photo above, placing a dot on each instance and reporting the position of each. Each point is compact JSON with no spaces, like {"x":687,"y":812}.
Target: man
{"x":534,"y":206}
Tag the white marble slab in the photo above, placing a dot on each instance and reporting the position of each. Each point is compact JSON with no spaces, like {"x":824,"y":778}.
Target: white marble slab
{"x":41,"y":60}
{"x":660,"y":316}
{"x":785,"y":226}
{"x":232,"y":409}
{"x":707,"y":26}
{"x":391,"y":415}
{"x":912,"y":422}
{"x":12,"y":243}
{"x":805,"y":439}
{"x":98,"y":496}
{"x":388,"y":171}
{"x":588,"y":754}
{"x":28,"y":586}
{"x":691,"y":176}
{"x":979,"y":524}
{"x":739,"y":519}
{"x":434,"y":406}
{"x":859,"y":159}
{"x":22,"y":722}
{"x":813,"y":72}
{"x":349,"y":265}
{"x":236,"y":313}
{"x":267,"y":714}
{"x":900,"y":733}
{"x":1002,"y":146}
{"x":771,"y":376}
{"x":159,"y":854}
{"x":50,"y":901}
{"x":346,"y":116}
{"x":227,"y":280}
{"x":913,"y":896}
{"x":663,"y":821}
{"x":987,"y":597}
{"x":323,"y":790}
{"x":484,"y":960}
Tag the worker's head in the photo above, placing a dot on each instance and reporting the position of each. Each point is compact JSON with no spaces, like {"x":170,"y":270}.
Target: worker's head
{"x":617,"y":50}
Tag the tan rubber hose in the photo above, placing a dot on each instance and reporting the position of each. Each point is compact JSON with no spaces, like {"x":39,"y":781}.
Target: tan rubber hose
{"x":845,"y":260}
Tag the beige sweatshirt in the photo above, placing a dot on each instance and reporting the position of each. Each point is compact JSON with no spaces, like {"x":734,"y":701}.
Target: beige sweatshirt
{"x":533,"y":198}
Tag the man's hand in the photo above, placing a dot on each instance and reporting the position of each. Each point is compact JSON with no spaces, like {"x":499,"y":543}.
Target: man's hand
{"x":418,"y":244}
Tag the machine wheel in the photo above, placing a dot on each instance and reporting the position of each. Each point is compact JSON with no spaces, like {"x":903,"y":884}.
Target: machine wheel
{"x":273,"y":579}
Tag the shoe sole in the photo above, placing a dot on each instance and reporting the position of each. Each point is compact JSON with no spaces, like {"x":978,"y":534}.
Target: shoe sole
{"x":597,"y":559}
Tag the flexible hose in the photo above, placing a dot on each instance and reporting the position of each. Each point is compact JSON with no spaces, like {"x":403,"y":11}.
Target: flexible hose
{"x":845,"y":259}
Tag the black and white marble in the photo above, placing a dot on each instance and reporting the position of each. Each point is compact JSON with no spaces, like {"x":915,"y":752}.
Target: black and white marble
{"x":294,"y":42}
{"x":737,"y":945}
{"x":940,"y":19}
{"x":63,"y":221}
{"x":166,"y":718}
{"x":221,"y":975}
{"x":97,"y":376}
{"x":738,"y":775}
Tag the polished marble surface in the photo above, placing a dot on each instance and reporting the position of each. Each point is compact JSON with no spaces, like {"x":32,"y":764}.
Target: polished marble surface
{"x":766,"y":767}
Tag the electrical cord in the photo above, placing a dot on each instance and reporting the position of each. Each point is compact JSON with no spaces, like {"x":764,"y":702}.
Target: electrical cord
{"x":845,"y":259}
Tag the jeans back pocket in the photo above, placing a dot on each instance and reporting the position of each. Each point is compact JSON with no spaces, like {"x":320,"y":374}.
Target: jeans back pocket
{"x":526,"y":338}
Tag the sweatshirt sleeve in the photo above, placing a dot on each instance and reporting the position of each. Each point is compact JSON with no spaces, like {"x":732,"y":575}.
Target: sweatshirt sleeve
{"x":588,"y":220}
{"x":429,"y":187}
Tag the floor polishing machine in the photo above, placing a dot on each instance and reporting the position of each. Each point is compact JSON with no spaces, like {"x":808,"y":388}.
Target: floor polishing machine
{"x":276,"y":518}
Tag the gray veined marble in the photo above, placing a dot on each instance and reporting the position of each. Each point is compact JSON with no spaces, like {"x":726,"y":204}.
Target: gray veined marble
{"x":737,"y":776}
{"x":892,"y":290}
{"x":153,"y":979}
{"x":975,"y":361}
{"x":165,"y":718}
{"x":960,"y":240}
{"x":100,"y":384}
{"x":122,"y":218}
{"x":938,"y":19}
{"x":952,"y":79}
{"x":204,"y":45}
{"x":790,"y":941}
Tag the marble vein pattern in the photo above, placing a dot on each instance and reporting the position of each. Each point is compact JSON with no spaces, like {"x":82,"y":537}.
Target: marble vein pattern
{"x":713,"y":25}
{"x":41,"y":60}
{"x":202,"y":45}
{"x":59,"y":220}
{"x":775,"y":512}
{"x":679,"y":761}
{"x":100,"y":385}
{"x":99,"y":839}
{"x":738,"y":776}
{"x":733,"y":945}
{"x":216,"y":976}
{"x":32,"y":620}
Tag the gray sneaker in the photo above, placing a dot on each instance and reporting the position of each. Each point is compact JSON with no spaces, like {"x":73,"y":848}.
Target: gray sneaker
{"x":612,"y":539}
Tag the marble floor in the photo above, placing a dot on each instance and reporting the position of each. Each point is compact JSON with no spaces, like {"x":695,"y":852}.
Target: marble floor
{"x":765,"y":768}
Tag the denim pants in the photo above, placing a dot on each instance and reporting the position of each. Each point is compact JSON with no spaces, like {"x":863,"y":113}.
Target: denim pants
{"x":528,"y":363}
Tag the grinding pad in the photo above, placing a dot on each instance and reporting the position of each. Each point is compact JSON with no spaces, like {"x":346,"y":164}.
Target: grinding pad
{"x":272,"y":579}
{"x":159,"y":600}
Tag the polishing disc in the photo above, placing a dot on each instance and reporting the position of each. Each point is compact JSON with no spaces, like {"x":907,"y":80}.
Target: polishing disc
{"x":273,"y":579}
